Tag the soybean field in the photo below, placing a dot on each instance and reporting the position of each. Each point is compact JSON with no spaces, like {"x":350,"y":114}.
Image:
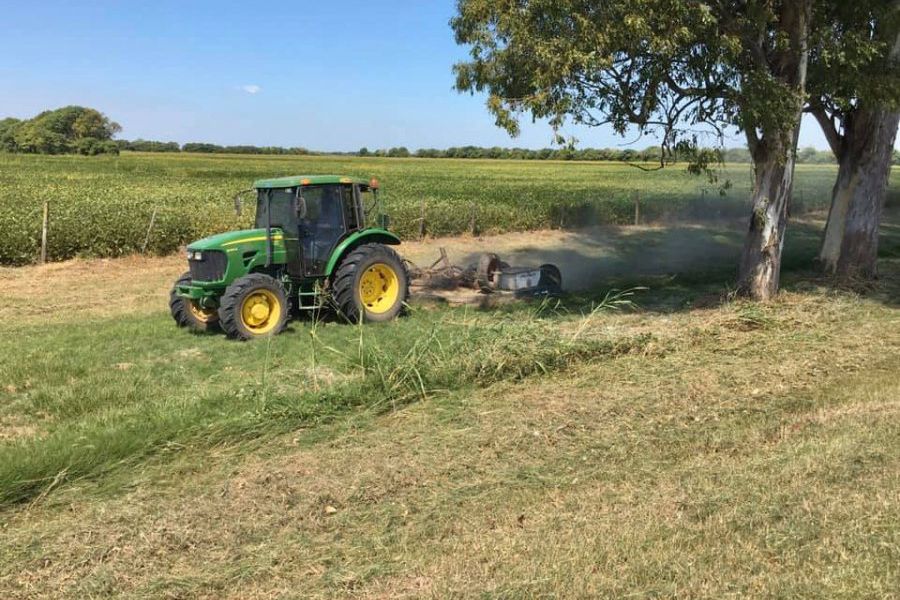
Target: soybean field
{"x":103,"y":206}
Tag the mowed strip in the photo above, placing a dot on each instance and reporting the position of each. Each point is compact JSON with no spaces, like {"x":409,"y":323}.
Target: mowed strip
{"x":747,"y":450}
{"x":87,"y":288}
{"x":139,"y":285}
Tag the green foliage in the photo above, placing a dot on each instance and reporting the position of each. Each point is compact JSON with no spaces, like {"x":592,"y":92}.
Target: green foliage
{"x":812,"y":156}
{"x":401,"y":152}
{"x":140,"y":145}
{"x":205,"y":148}
{"x":68,"y":130}
{"x":660,"y":66}
{"x":8,"y":128}
{"x":102,"y":207}
{"x":851,"y":55}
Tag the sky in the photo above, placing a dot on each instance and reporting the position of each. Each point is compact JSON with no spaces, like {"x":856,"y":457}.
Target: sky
{"x":325,"y":75}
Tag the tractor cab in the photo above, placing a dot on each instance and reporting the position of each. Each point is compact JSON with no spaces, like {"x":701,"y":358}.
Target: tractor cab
{"x":311,"y":247}
{"x":313,"y":214}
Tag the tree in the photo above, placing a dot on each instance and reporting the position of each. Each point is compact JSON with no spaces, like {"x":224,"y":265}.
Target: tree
{"x":855,"y":96}
{"x":8,"y":128}
{"x":660,"y":66}
{"x":64,"y":130}
{"x":401,"y":152}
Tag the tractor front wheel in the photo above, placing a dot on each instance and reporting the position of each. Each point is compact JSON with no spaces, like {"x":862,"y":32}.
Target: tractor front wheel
{"x":189,"y":313}
{"x":371,"y":284}
{"x":254,"y":306}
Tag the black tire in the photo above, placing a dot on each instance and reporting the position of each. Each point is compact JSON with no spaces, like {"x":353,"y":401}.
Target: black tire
{"x":551,"y":279}
{"x":256,"y":288}
{"x":346,"y":284}
{"x":188,"y":313}
{"x":488,"y":264}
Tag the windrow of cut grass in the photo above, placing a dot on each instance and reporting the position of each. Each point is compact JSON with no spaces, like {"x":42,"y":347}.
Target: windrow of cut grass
{"x":140,"y":391}
{"x":103,"y":206}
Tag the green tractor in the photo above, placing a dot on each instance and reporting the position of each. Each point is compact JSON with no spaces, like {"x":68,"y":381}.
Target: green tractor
{"x":310,"y":247}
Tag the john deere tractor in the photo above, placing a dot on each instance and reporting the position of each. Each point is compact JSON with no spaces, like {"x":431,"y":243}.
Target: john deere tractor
{"x":310,"y":248}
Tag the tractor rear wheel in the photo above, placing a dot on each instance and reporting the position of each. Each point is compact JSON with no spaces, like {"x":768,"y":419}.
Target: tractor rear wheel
{"x":189,"y":313}
{"x":371,"y":284}
{"x":254,"y":306}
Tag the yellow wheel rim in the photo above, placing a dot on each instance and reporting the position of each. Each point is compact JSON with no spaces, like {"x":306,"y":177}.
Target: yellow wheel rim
{"x":379,"y":288}
{"x":261,"y":311}
{"x":204,"y":315}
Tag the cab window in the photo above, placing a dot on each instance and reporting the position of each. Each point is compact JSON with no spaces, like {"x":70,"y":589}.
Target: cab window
{"x":281,"y":203}
{"x":350,"y":216}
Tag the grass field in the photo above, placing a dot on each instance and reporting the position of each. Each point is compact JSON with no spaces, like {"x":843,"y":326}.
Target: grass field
{"x":102,"y":206}
{"x":697,"y":446}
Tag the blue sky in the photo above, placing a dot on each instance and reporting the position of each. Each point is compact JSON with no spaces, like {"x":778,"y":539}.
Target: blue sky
{"x":333,"y":75}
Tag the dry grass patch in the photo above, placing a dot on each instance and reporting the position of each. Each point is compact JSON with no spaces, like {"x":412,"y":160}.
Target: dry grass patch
{"x":91,"y":288}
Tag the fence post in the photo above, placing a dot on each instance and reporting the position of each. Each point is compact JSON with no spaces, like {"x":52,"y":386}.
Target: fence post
{"x":637,"y":208}
{"x":149,"y":229}
{"x":422,"y":222}
{"x":45,"y":227}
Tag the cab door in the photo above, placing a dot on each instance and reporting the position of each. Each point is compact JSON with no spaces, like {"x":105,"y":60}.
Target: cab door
{"x":278,"y":208}
{"x":322,"y":225}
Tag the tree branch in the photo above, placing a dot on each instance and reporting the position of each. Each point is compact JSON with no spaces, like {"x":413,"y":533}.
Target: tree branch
{"x":835,"y":139}
{"x":752,"y":140}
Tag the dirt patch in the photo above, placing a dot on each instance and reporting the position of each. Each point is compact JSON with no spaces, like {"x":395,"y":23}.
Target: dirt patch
{"x":586,"y":257}
{"x":13,"y":427}
{"x":89,"y":288}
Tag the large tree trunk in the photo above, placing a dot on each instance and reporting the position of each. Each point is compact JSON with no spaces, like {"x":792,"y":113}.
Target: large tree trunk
{"x":760,"y":268}
{"x":774,"y":155}
{"x":850,"y":245}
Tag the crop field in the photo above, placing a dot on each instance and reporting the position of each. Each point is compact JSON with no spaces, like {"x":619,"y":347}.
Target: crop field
{"x":102,"y":206}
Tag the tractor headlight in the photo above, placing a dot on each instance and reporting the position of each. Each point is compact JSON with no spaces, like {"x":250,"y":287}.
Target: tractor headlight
{"x":195,"y":255}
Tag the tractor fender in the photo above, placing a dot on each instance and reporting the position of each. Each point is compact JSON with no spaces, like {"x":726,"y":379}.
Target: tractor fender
{"x":366,"y":236}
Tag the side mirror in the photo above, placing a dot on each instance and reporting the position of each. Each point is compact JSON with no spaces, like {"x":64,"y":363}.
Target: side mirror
{"x":237,"y":200}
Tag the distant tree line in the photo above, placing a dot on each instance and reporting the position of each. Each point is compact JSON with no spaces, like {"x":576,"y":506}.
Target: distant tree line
{"x":79,"y":130}
{"x":807,"y":155}
{"x":67,"y":130}
{"x":204,"y":148}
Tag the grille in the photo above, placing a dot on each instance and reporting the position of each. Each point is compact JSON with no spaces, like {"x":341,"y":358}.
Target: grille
{"x":209,"y":268}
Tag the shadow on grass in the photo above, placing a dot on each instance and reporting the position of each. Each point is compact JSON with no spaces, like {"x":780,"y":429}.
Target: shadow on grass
{"x":689,"y":267}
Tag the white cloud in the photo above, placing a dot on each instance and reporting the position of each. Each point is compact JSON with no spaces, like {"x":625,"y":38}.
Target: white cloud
{"x":251,"y":89}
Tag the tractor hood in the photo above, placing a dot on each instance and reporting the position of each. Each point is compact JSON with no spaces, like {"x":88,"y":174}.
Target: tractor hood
{"x":236,"y":239}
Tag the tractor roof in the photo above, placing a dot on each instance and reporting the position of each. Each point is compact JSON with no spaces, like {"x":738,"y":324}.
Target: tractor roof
{"x":286,"y":182}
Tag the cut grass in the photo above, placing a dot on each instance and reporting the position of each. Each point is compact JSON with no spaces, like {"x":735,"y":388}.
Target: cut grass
{"x":700,"y":447}
{"x":717,"y":461}
{"x":137,"y":395}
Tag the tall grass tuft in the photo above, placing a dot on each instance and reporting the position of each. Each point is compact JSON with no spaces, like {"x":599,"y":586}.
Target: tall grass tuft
{"x":386,"y":367}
